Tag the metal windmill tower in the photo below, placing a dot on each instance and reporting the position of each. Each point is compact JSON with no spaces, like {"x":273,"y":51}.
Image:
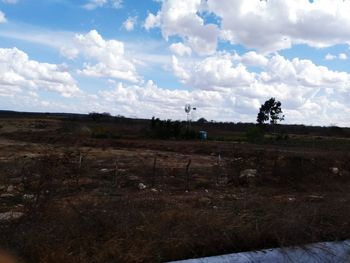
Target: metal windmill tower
{"x":188,"y":109}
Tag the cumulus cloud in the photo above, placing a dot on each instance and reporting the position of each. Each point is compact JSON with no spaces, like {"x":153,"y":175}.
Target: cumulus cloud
{"x":235,"y":104}
{"x":93,"y":4}
{"x":130,"y":23}
{"x":213,"y":73}
{"x":152,"y":21}
{"x":252,"y":58}
{"x":18,"y":72}
{"x":300,"y":84}
{"x":220,"y":86}
{"x":180,"y":18}
{"x":274,"y":25}
{"x":179,"y":71}
{"x":180,"y":49}
{"x":150,"y":100}
{"x":266,"y":26}
{"x":109,"y":56}
{"x":69,"y":52}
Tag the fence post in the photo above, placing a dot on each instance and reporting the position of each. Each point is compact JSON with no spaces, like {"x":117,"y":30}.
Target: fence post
{"x":154,"y":171}
{"x":188,"y":174}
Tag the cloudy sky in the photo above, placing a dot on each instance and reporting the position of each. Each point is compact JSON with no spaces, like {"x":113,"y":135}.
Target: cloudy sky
{"x":151,"y":57}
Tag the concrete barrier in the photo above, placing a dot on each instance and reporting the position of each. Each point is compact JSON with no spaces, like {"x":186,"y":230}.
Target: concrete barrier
{"x":327,"y":252}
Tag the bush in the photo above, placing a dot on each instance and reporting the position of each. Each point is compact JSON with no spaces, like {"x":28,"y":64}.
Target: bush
{"x":100,"y":117}
{"x":165,"y":129}
{"x":190,"y":133}
{"x":168,"y":129}
{"x":202,"y":120}
{"x":254,"y":134}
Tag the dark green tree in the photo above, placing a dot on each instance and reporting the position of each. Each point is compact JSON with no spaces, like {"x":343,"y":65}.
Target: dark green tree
{"x":202,"y":120}
{"x":270,"y":111}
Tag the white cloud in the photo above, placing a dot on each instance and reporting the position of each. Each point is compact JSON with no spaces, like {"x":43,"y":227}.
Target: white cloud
{"x":223,"y":89}
{"x":225,"y":105}
{"x":214,"y":73}
{"x":267,"y":26}
{"x":93,"y":4}
{"x":330,"y":57}
{"x":179,"y":71}
{"x":69,"y":52}
{"x":150,"y":100}
{"x":274,"y":25}
{"x":180,"y":18}
{"x":2,"y":17}
{"x":18,"y":72}
{"x":306,"y":90}
{"x":253,"y":59}
{"x":130,"y":23}
{"x":342,"y":56}
{"x":109,"y":56}
{"x":152,"y":21}
{"x":222,"y":85}
{"x":180,"y":49}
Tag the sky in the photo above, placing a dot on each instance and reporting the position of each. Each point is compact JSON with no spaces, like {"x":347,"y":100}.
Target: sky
{"x":151,"y":57}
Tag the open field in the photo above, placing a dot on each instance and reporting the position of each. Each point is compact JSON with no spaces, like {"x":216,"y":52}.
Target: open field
{"x":68,"y":196}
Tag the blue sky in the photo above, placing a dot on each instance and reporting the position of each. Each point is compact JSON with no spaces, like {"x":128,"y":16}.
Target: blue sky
{"x":149,"y":58}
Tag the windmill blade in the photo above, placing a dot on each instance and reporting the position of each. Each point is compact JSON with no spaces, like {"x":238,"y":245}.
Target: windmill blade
{"x":187,"y":108}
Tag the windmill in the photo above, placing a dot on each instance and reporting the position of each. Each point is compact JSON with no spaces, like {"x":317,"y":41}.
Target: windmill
{"x":188,"y":111}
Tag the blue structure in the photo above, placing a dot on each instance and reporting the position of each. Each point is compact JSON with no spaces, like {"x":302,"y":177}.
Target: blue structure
{"x":203,"y":135}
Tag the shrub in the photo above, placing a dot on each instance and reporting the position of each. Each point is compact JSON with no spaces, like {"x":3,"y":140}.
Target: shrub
{"x":100,"y":117}
{"x":202,"y":120}
{"x":190,"y":133}
{"x":168,"y":129}
{"x":165,"y":129}
{"x":255,"y":134}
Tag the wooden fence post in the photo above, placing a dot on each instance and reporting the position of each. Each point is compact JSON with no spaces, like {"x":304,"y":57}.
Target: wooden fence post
{"x":188,"y":174}
{"x":154,"y":171}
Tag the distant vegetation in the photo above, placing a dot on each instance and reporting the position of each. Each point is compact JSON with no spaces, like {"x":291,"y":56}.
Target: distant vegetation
{"x":123,"y":127}
{"x":168,"y":129}
{"x":102,"y":117}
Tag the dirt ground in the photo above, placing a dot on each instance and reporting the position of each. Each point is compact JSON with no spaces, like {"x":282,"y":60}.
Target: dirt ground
{"x":68,"y":197}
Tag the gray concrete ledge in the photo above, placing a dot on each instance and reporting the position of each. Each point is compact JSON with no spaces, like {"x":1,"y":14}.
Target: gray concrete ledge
{"x":327,"y":252}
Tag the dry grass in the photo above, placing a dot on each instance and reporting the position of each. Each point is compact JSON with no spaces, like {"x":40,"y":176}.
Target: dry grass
{"x":80,"y":213}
